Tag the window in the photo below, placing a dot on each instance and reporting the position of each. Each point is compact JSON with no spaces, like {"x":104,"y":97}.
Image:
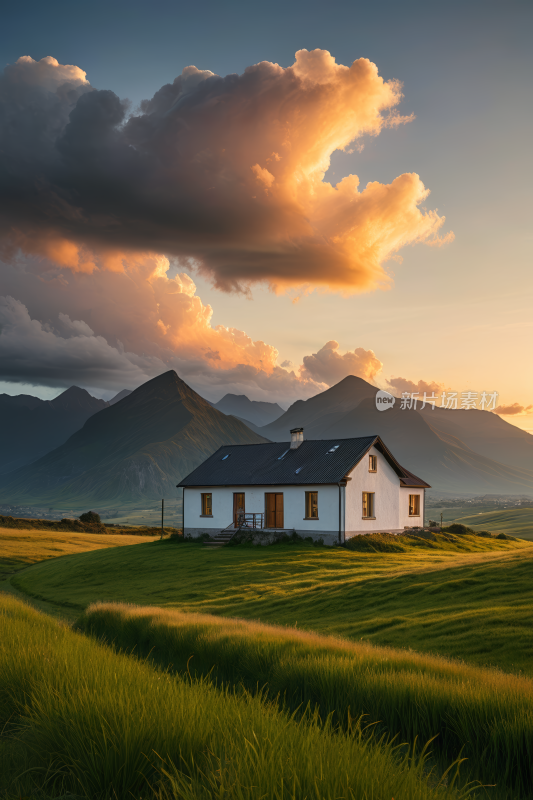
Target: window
{"x":414,"y":505}
{"x":207,"y":505}
{"x":311,"y":505}
{"x":333,"y":449}
{"x":368,"y":505}
{"x":372,"y":463}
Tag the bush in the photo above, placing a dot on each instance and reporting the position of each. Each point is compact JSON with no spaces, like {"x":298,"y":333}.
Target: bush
{"x":459,"y":529}
{"x":486,"y":534}
{"x":503,"y":536}
{"x":90,"y":516}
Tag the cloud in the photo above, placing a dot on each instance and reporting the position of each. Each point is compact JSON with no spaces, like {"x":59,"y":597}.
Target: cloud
{"x":122,"y":328}
{"x":225,"y":175}
{"x":31,"y":353}
{"x":401,"y":385}
{"x":329,"y":367}
{"x":513,"y":409}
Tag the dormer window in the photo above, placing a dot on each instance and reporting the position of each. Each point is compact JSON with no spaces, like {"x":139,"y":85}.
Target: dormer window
{"x":372,"y":463}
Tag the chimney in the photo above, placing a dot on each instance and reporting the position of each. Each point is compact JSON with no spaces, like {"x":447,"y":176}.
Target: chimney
{"x":297,"y":437}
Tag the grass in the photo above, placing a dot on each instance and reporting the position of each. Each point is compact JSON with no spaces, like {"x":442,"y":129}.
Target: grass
{"x":516,"y":521}
{"x":469,"y":598}
{"x":81,"y":719}
{"x":484,"y":715}
{"x":20,"y":548}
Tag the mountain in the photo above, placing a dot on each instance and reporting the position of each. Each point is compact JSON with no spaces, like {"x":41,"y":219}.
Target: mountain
{"x":120,"y":396}
{"x":452,"y":455}
{"x":320,"y":411}
{"x":445,"y":461}
{"x":486,"y":433}
{"x":31,"y":427}
{"x":254,"y":411}
{"x":138,"y":448}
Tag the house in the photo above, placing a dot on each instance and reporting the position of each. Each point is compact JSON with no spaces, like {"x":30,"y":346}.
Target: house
{"x":334,"y":489}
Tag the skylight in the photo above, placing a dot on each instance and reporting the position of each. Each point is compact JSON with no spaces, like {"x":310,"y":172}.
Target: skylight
{"x":332,"y":449}
{"x":283,"y":454}
{"x":225,"y":457}
{"x":296,"y":471}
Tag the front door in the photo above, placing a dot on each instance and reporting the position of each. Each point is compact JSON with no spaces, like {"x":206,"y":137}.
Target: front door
{"x":238,"y":507}
{"x":274,"y":509}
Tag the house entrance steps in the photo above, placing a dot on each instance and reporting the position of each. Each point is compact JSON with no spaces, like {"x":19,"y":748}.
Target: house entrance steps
{"x":249,"y":521}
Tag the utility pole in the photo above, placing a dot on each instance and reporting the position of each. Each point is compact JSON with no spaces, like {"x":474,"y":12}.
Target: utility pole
{"x":162,"y":515}
{"x":441,"y":520}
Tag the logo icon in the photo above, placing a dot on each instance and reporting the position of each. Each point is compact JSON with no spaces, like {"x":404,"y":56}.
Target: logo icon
{"x":384,"y":400}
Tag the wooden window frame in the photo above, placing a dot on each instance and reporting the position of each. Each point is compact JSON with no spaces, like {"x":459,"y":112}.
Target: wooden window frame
{"x":366,"y":504}
{"x":206,"y":504}
{"x":372,"y":463}
{"x":308,"y":505}
{"x":415,"y":505}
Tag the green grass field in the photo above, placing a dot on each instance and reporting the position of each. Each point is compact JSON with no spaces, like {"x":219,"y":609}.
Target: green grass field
{"x":515,"y":521}
{"x":484,"y":715}
{"x":471,"y":598}
{"x":80,"y":720}
{"x":20,"y":548}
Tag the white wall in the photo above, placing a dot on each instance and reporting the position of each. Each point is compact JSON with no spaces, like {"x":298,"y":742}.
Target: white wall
{"x":405,"y":519}
{"x":293,"y":503}
{"x":385,"y":484}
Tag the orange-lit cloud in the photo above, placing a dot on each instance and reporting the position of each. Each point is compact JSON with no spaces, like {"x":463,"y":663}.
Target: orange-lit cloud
{"x":513,"y":409}
{"x":401,"y":385}
{"x":329,"y":366}
{"x":224,"y":174}
{"x":121,"y":327}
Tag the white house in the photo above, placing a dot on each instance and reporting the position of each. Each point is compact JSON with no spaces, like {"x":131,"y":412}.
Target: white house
{"x":334,"y":489}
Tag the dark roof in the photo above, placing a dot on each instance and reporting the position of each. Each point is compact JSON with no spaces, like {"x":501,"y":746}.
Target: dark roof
{"x":413,"y":481}
{"x":276,"y":464}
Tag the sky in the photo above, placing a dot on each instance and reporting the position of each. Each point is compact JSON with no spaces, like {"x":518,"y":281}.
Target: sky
{"x":351,"y":196}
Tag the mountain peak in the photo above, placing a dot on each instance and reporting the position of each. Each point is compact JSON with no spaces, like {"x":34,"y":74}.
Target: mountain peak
{"x":75,"y":398}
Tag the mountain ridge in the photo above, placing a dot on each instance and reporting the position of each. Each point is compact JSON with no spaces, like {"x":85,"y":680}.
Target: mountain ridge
{"x":429,"y":447}
{"x":257,"y":412}
{"x":138,"y":448}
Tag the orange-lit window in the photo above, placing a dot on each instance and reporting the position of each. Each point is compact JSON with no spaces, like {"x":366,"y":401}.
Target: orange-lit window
{"x":372,"y":463}
{"x":311,"y":505}
{"x":414,"y":505}
{"x":368,"y":505}
{"x":207,"y":505}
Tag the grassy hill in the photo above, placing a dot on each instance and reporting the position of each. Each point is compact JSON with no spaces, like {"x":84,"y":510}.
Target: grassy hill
{"x":20,"y":548}
{"x":464,"y":596}
{"x":515,"y":521}
{"x":470,"y":598}
{"x":482,"y":715}
{"x":138,"y":448}
{"x":79,"y":720}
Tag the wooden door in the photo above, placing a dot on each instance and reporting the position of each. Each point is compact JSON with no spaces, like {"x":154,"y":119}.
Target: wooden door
{"x":274,"y":509}
{"x":238,"y":507}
